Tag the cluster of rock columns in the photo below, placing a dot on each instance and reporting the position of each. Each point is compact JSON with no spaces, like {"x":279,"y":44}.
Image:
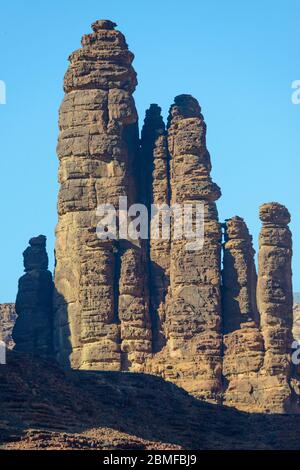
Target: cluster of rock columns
{"x":155,"y":305}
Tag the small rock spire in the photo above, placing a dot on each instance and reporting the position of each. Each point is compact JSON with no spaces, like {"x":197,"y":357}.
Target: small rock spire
{"x":33,"y":330}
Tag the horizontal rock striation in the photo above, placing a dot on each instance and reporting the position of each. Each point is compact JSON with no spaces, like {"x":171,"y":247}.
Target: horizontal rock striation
{"x":158,"y":304}
{"x":275,"y":301}
{"x":192,"y":355}
{"x":98,"y":150}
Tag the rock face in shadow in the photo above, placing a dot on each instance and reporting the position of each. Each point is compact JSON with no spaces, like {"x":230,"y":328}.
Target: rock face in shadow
{"x":155,"y":193}
{"x":33,"y":329}
{"x":7,"y":321}
{"x":41,"y":407}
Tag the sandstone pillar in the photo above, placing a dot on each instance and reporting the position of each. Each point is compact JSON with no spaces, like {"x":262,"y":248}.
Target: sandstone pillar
{"x":243,"y":344}
{"x":275,"y":300}
{"x":192,"y":356}
{"x":98,"y":151}
{"x":33,"y":329}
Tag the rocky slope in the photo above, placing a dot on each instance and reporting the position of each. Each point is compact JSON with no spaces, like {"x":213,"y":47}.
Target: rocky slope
{"x":42,"y":407}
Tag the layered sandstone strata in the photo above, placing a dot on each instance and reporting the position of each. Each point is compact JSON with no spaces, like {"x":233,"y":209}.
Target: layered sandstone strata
{"x":275,"y":301}
{"x":192,"y":355}
{"x":7,"y":321}
{"x":33,"y":329}
{"x":98,"y":150}
{"x":156,"y":196}
{"x":243,"y":345}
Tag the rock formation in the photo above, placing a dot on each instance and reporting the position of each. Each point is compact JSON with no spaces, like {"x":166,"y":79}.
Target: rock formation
{"x":275,"y":300}
{"x":160,"y":305}
{"x":33,"y":329}
{"x":7,"y":321}
{"x":98,"y":152}
{"x":243,"y":345}
{"x":296,"y":322}
{"x":192,"y":356}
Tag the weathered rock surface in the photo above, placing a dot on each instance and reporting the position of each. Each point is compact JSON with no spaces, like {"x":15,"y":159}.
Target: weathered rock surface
{"x":192,"y":355}
{"x":33,"y":329}
{"x":239,"y":277}
{"x":296,"y":322}
{"x":275,"y":300}
{"x":98,"y":151}
{"x":156,"y":195}
{"x":7,"y":321}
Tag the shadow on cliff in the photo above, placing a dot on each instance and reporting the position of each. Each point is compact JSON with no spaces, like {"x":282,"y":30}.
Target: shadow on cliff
{"x":39,"y":395}
{"x":61,"y":330}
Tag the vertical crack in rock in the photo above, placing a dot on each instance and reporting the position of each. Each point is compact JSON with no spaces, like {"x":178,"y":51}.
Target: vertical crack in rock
{"x":33,"y":329}
{"x":97,"y":148}
{"x":275,"y":301}
{"x":192,"y":356}
{"x":156,"y":192}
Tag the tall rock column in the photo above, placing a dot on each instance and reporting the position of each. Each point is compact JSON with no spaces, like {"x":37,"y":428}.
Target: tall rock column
{"x":243,"y":346}
{"x":156,"y":192}
{"x":275,"y":300}
{"x":97,"y":148}
{"x":239,"y":277}
{"x":33,"y":329}
{"x":192,"y":356}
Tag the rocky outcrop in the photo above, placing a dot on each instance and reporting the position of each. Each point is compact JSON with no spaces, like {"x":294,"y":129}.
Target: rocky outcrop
{"x":192,"y":355}
{"x":33,"y":329}
{"x":7,"y":321}
{"x":275,"y":300}
{"x":157,"y":305}
{"x":243,"y":344}
{"x":98,"y":150}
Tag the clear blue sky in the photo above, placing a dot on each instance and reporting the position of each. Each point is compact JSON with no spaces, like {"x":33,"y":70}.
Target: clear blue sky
{"x":238,"y":58}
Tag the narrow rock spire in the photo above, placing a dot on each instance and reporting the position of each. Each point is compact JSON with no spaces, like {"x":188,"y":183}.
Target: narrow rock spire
{"x":33,"y":330}
{"x":98,"y":151}
{"x":239,"y":277}
{"x":156,"y":192}
{"x":275,"y":293}
{"x":192,"y":355}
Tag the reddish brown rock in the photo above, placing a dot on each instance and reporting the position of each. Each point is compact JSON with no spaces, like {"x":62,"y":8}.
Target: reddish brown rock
{"x":33,"y":329}
{"x":239,"y":277}
{"x":98,"y":149}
